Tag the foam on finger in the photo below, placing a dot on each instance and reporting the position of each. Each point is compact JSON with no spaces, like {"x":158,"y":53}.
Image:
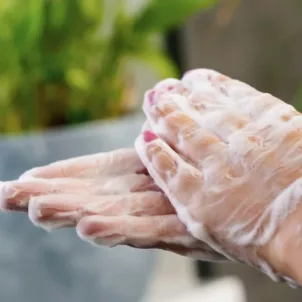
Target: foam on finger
{"x":114,"y":163}
{"x":64,"y":210}
{"x":180,"y":182}
{"x":142,"y":232}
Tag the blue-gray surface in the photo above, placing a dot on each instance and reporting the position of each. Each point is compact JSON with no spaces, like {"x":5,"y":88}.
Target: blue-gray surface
{"x":36,"y":266}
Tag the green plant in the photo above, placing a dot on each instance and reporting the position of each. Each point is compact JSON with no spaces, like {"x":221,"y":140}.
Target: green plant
{"x":297,"y":100}
{"x":65,"y":61}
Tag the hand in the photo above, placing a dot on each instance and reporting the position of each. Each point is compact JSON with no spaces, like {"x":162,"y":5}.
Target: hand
{"x":109,"y":197}
{"x":228,"y":157}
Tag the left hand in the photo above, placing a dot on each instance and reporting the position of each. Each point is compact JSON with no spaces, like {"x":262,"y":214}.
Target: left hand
{"x":109,"y":197}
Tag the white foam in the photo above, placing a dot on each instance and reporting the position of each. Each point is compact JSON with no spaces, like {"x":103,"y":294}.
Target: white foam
{"x":270,"y":194}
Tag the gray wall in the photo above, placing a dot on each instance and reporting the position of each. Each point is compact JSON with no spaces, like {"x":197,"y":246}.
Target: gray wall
{"x":261,"y":44}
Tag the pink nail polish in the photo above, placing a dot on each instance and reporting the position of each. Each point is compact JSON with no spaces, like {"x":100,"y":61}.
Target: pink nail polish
{"x":151,"y":96}
{"x":149,"y":136}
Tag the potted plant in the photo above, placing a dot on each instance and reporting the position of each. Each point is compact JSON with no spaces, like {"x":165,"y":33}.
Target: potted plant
{"x":63,"y":63}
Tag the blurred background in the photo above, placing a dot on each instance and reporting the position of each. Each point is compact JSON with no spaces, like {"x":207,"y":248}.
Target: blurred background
{"x":72,"y":77}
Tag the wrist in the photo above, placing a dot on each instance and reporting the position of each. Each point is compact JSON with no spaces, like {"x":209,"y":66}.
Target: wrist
{"x":284,"y":250}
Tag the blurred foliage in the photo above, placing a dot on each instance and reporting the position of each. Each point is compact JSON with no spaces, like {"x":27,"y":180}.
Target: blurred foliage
{"x":64,"y":62}
{"x":297,"y":101}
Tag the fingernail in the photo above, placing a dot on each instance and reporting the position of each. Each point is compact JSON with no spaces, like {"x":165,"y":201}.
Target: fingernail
{"x":150,"y":96}
{"x":210,"y":77}
{"x":149,"y":136}
{"x":6,"y":194}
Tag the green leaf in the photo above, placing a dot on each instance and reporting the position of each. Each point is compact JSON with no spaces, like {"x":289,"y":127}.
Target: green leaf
{"x":163,"y":66}
{"x":297,"y":101}
{"x":58,"y":13}
{"x":29,"y":26}
{"x":93,"y":9}
{"x":160,"y":15}
{"x":78,"y":78}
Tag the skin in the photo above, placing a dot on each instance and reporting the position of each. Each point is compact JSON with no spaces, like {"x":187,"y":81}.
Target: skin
{"x":215,"y":176}
{"x":229,"y":157}
{"x":109,"y":198}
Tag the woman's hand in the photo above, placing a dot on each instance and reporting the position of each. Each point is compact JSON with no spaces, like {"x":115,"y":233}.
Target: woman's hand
{"x":229,"y":159}
{"x":109,"y":197}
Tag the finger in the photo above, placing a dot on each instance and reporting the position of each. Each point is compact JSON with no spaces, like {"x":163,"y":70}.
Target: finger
{"x":15,"y":195}
{"x":64,"y":210}
{"x":248,"y":100}
{"x":221,"y":120}
{"x":161,"y":232}
{"x":182,"y":132}
{"x":168,"y":85}
{"x":118,"y":162}
{"x":246,"y":141}
{"x":172,"y":86}
{"x":135,"y":231}
{"x":198,"y":79}
{"x":188,"y":135}
{"x":185,"y":186}
{"x":172,"y":174}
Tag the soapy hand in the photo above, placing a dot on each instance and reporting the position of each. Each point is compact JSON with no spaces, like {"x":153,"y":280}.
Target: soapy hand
{"x":108,"y":197}
{"x":228,"y":157}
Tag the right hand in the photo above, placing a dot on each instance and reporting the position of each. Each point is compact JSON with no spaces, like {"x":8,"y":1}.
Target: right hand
{"x":229,"y":159}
